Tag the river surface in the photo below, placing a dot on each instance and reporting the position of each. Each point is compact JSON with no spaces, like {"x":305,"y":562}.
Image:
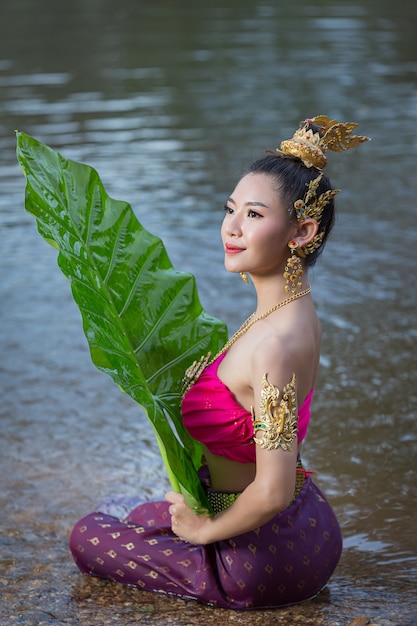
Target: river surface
{"x":169,"y":101}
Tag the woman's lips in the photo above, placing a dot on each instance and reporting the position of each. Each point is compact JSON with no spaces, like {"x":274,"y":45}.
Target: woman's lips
{"x":230,"y":249}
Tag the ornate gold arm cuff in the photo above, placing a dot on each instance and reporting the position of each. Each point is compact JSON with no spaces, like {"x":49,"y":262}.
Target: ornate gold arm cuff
{"x":277,"y":417}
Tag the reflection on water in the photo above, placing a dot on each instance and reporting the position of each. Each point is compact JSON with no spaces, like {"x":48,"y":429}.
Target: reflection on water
{"x":169,"y":102}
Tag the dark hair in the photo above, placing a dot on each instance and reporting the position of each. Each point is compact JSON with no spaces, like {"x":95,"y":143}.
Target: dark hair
{"x":291,"y":179}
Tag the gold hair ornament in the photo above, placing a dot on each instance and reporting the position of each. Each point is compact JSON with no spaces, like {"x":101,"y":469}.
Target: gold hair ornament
{"x":312,"y":206}
{"x":277,"y":417}
{"x":311,"y":147}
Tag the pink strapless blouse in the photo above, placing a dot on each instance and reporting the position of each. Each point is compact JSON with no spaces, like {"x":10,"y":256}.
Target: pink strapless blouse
{"x":213,"y":416}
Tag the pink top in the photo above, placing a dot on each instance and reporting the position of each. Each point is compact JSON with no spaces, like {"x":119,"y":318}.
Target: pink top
{"x":213,"y":416}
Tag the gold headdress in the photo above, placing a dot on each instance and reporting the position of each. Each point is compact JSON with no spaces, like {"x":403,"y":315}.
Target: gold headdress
{"x":310,"y":146}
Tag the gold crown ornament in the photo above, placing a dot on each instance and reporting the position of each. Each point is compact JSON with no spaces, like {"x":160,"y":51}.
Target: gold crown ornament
{"x":311,"y":147}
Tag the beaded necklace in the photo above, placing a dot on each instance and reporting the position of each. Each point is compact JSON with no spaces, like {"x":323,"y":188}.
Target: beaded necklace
{"x":193,"y":373}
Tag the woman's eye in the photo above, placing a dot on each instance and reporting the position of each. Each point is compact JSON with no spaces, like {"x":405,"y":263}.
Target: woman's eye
{"x":228,"y":209}
{"x":252,"y":213}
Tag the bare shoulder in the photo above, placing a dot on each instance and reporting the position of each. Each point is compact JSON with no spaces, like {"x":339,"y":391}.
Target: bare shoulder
{"x":293,"y":348}
{"x":274,"y":353}
{"x":280,"y":347}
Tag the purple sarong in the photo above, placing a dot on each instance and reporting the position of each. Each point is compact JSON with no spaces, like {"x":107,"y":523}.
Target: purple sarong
{"x":285,"y":561}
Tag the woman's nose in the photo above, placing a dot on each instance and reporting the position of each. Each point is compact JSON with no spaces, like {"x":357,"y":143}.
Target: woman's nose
{"x":232,"y":225}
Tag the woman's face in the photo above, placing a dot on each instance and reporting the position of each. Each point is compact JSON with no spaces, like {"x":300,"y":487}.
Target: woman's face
{"x":256,"y":228}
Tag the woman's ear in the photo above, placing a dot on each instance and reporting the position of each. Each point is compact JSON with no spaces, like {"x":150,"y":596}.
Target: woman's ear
{"x":306,"y":232}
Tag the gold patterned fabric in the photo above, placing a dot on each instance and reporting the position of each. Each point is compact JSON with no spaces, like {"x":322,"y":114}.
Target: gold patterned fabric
{"x":285,"y":561}
{"x":219,"y":500}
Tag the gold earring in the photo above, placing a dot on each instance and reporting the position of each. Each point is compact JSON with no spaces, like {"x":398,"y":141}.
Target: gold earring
{"x":293,"y":269}
{"x":244,"y":277}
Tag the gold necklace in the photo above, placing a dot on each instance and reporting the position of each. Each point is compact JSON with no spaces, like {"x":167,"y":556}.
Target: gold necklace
{"x":193,"y":373}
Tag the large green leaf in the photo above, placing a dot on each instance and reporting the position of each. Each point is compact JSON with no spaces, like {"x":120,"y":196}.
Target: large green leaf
{"x":143,"y":319}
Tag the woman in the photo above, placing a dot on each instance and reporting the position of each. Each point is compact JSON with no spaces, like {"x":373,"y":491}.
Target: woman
{"x":272,"y":539}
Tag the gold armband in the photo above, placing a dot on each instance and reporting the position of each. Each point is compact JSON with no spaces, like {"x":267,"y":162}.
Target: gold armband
{"x":277,"y":418}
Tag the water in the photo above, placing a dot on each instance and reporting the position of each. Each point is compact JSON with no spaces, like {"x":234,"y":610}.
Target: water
{"x":169,"y":101}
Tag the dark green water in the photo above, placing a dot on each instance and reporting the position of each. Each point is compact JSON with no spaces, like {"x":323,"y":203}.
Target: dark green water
{"x":169,"y":101}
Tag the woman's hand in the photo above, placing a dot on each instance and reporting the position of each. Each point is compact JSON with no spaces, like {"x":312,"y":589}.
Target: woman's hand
{"x":184,"y":522}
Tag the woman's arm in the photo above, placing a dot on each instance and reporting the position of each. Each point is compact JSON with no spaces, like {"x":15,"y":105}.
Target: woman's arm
{"x":267,"y":495}
{"x":276,"y":458}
